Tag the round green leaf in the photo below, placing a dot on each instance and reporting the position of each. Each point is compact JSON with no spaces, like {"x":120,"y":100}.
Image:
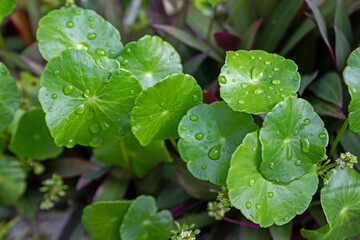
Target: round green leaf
{"x":293,"y":137}
{"x":159,"y":109}
{"x":9,"y":97}
{"x":209,"y":135}
{"x":150,"y":59}
{"x":351,"y":77}
{"x":82,"y":105}
{"x":340,"y":200}
{"x":6,"y":7}
{"x":255,"y":81}
{"x":103,"y":219}
{"x":262,"y":201}
{"x":31,"y":137}
{"x":129,"y":154}
{"x":77,"y":28}
{"x":12,"y":180}
{"x":142,"y":221}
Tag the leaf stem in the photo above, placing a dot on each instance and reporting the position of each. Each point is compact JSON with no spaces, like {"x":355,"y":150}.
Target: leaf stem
{"x":249,"y":224}
{"x":173,"y":143}
{"x":338,"y":137}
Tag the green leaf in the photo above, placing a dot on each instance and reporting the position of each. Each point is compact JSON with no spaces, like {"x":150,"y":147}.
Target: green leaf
{"x":82,"y":105}
{"x":262,"y":201}
{"x":77,"y":28}
{"x":9,"y":97}
{"x":279,"y":21}
{"x":342,"y":21}
{"x":212,"y":132}
{"x":159,"y":109}
{"x":103,"y":219}
{"x":142,"y":221}
{"x":108,"y":65}
{"x":114,"y":187}
{"x":328,"y":87}
{"x":325,"y":108}
{"x":12,"y":180}
{"x":128,"y":153}
{"x":31,"y":137}
{"x":255,"y":81}
{"x":351,"y":77}
{"x":306,"y":80}
{"x":293,"y":137}
{"x":250,"y":34}
{"x":6,"y":7}
{"x":341,"y":204}
{"x":342,"y":49}
{"x":150,"y":59}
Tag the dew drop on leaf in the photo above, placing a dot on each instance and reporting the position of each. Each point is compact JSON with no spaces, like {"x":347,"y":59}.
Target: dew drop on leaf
{"x":199,"y":136}
{"x":322,"y":136}
{"x":54,"y":96}
{"x":243,"y":85}
{"x":68,"y":89}
{"x":183,"y":128}
{"x":82,"y":46}
{"x":94,"y":128}
{"x":305,"y":145}
{"x":288,"y":152}
{"x":248,"y":205}
{"x":276,"y":82}
{"x":100,"y":52}
{"x":195,"y":98}
{"x":276,"y":69}
{"x":296,"y":132}
{"x":277,"y":132}
{"x":206,"y":146}
{"x":209,"y":137}
{"x":87,"y":93}
{"x":80,"y":109}
{"x":297,"y":162}
{"x":91,"y":19}
{"x":300,"y":116}
{"x":112,"y":52}
{"x":204,"y":166}
{"x":105,"y":126}
{"x":258,"y":206}
{"x":193,"y":118}
{"x":222,"y":79}
{"x":56,"y":72}
{"x":241,"y":102}
{"x":92,"y":25}
{"x":214,"y":152}
{"x":69,"y":24}
{"x":77,"y":12}
{"x":286,"y":218}
{"x":272,"y":165}
{"x":306,"y":121}
{"x":257,"y":73}
{"x":270,"y":194}
{"x":251,"y":182}
{"x":91,"y":36}
{"x":258,"y":91}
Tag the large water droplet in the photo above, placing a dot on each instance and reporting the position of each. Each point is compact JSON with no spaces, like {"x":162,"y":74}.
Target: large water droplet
{"x":305,"y":145}
{"x":193,"y":118}
{"x":100,"y":52}
{"x":276,"y":82}
{"x":258,"y":91}
{"x":322,"y":136}
{"x":222,"y":79}
{"x":105,"y":126}
{"x":257,"y":73}
{"x":288,"y":152}
{"x":183,"y":128}
{"x":214,"y":152}
{"x":248,"y":205}
{"x":241,"y":102}
{"x":298,"y":162}
{"x":54,"y":96}
{"x":68,"y":89}
{"x":296,"y":132}
{"x":258,"y":206}
{"x":87,"y":93}
{"x":306,"y":121}
{"x":92,"y":25}
{"x":80,"y":109}
{"x":199,"y":136}
{"x":91,"y":36}
{"x":69,"y":24}
{"x":251,"y":182}
{"x":270,"y":194}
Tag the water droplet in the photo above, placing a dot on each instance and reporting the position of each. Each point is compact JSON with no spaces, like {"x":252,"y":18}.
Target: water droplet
{"x":322,"y":136}
{"x":267,"y":62}
{"x":230,"y":151}
{"x":305,"y":145}
{"x":195,"y":98}
{"x":87,"y":93}
{"x":209,"y":124}
{"x":306,"y":121}
{"x":258,"y":206}
{"x":68,"y":89}
{"x":252,"y":57}
{"x":258,"y":91}
{"x":288,"y":152}
{"x":248,"y":205}
{"x":183,"y":128}
{"x":80,"y":109}
{"x":241,"y":102}
{"x":296,"y":79}
{"x":276,"y":82}
{"x":94,"y":128}
{"x":193,"y":118}
{"x":286,"y":218}
{"x":298,"y":162}
{"x":112,"y":52}
{"x":243,"y":85}
{"x":204,"y":166}
{"x":277,"y":133}
{"x":69,"y":24}
{"x":100,"y":52}
{"x":131,"y":92}
{"x":50,"y":109}
{"x":281,"y":89}
{"x":276,"y":69}
{"x":209,"y":137}
{"x":56,"y":72}
{"x":272,"y":165}
{"x":254,"y":149}
{"x":77,"y":12}
{"x":257,"y":73}
{"x":222,"y":79}
{"x":300,"y":116}
{"x":105,"y":126}
{"x":212,"y":118}
{"x":296,"y":132}
{"x":128,"y":50}
{"x":214,"y":152}
{"x":54,"y":96}
{"x":228,"y":72}
{"x":270,"y":194}
{"x":92,"y":25}
{"x":199,"y":136}
{"x":91,"y":36}
{"x":91,"y":19}
{"x":251,"y":182}
{"x":282,"y":95}
{"x":206,"y":146}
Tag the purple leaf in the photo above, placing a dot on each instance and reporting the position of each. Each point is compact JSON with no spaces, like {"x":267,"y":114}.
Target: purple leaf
{"x":227,"y":41}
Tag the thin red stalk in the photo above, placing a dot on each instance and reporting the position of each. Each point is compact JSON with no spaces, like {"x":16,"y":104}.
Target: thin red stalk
{"x":249,"y":224}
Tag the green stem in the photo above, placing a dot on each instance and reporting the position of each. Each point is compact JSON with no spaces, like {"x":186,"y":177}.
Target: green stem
{"x":173,"y":143}
{"x":323,"y":169}
{"x":338,"y":137}
{"x":4,"y":52}
{"x":212,"y":20}
{"x":234,"y":12}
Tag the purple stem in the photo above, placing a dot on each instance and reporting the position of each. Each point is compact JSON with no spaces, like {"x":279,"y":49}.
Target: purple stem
{"x":178,"y":209}
{"x":249,"y":224}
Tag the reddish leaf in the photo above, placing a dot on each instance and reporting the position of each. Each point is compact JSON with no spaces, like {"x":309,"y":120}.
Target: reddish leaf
{"x":209,"y":97}
{"x":227,"y":41}
{"x":70,"y":167}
